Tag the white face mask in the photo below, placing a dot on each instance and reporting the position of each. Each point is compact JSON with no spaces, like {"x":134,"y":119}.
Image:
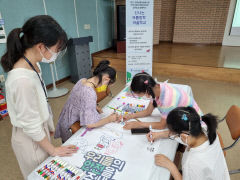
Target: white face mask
{"x":178,"y":139}
{"x":52,"y":59}
{"x":146,"y":98}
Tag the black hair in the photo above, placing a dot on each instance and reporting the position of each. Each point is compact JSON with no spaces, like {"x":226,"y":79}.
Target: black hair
{"x":139,"y":85}
{"x":180,"y":118}
{"x":104,"y":68}
{"x":38,"y":29}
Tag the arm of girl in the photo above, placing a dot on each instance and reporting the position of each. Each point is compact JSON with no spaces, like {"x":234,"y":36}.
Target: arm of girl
{"x":157,"y":135}
{"x":99,"y":109}
{"x":155,"y":125}
{"x":163,"y":161}
{"x":112,"y":118}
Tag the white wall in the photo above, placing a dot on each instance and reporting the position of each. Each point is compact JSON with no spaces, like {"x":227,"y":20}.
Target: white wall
{"x":229,"y":40}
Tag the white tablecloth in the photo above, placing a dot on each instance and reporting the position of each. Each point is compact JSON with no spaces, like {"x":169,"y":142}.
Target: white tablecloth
{"x":134,"y":152}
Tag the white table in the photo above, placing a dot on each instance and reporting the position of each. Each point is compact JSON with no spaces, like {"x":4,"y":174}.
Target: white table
{"x":133,"y":151}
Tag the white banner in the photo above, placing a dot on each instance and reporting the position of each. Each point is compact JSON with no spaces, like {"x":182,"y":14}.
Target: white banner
{"x":139,"y":37}
{"x":110,"y":152}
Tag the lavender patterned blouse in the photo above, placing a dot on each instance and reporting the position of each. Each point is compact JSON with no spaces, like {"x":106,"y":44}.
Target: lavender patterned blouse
{"x":81,"y":106}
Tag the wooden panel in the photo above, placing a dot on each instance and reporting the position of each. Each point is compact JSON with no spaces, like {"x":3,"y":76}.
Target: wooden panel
{"x":197,"y":72}
{"x":121,"y":46}
{"x":204,"y":62}
{"x":118,"y":64}
{"x":184,"y":71}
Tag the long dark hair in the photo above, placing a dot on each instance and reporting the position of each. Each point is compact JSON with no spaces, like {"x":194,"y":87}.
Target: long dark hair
{"x":38,"y":29}
{"x":139,"y":85}
{"x":104,"y":68}
{"x":187,"y":119}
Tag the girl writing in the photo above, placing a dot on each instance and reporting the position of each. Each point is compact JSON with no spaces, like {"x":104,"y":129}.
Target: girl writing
{"x":164,"y":96}
{"x":81,"y":106}
{"x":203,"y":157}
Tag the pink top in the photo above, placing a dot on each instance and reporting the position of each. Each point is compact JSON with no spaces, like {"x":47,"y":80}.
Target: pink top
{"x":172,"y":97}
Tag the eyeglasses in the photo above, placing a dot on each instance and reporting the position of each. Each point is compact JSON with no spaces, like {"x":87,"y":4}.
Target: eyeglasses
{"x":174,"y":136}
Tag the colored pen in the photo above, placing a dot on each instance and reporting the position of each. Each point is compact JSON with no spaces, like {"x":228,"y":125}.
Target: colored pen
{"x":122,"y":117}
{"x":137,"y":120}
{"x":150,"y":128}
{"x":114,"y":109}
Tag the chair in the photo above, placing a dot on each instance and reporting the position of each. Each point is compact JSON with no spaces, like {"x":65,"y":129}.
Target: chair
{"x":233,"y":122}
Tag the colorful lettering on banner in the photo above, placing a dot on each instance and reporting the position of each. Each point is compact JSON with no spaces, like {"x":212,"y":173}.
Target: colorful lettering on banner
{"x":101,"y":167}
{"x":130,"y":108}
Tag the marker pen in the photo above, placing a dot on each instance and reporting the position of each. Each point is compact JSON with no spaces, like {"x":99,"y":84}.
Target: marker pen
{"x":150,"y":128}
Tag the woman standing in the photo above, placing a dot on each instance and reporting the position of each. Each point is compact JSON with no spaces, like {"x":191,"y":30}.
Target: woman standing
{"x":40,"y":39}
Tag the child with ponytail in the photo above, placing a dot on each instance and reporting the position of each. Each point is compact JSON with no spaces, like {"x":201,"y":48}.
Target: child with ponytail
{"x":203,"y":157}
{"x":163,"y":96}
{"x":81,"y":107}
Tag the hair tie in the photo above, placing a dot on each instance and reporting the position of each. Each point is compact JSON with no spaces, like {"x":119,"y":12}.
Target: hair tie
{"x":146,"y":82}
{"x":184,"y":117}
{"x":21,"y":33}
{"x":203,"y":126}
